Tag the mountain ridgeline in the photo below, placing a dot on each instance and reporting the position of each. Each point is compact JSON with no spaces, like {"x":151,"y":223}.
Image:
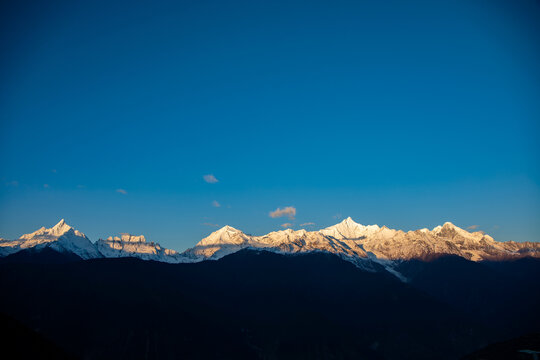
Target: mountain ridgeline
{"x":346,"y":292}
{"x":368,"y":247}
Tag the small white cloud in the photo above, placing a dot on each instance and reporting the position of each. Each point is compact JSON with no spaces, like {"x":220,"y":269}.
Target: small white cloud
{"x":210,"y":224}
{"x":46,"y":186}
{"x":473,"y":227}
{"x":121,"y":191}
{"x":288,"y":211}
{"x":286,"y":225}
{"x":308,"y":224}
{"x":211,"y":179}
{"x":215,"y":203}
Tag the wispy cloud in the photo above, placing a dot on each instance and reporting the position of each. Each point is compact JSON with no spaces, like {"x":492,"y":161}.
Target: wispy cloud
{"x":46,"y":186}
{"x":81,"y":186}
{"x":53,"y":171}
{"x":121,"y":191}
{"x":215,"y":203}
{"x":210,"y":224}
{"x":210,"y":178}
{"x":308,"y":224}
{"x":12,"y":183}
{"x":473,"y":227}
{"x":288,"y":211}
{"x":286,"y":225}
{"x":337,"y":216}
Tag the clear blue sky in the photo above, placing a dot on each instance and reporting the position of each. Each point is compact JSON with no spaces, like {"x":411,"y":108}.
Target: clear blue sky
{"x":404,"y":113}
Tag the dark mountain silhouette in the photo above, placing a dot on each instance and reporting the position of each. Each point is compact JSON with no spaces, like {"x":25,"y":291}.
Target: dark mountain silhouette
{"x":256,"y":304}
{"x":519,"y":348}
{"x":18,"y":341}
{"x":40,"y":256}
{"x":503,"y":295}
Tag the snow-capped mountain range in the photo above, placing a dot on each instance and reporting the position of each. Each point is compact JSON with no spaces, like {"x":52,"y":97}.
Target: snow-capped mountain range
{"x":365,"y":246}
{"x":61,"y":237}
{"x":136,"y":246}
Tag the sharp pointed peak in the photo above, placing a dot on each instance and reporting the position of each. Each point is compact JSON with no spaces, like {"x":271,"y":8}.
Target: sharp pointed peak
{"x":348,"y":221}
{"x":227,"y":228}
{"x":61,"y":225}
{"x":62,"y":222}
{"x":57,"y":230}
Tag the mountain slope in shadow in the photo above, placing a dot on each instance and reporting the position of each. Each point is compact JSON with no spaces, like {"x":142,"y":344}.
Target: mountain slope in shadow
{"x":251,"y":304}
{"x":20,"y":342}
{"x":503,"y":295}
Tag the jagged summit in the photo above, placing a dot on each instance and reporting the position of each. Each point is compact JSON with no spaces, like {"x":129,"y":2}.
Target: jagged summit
{"x":61,"y":223}
{"x":60,"y":228}
{"x":127,"y":245}
{"x":56,"y":231}
{"x":356,"y":241}
{"x":61,"y":237}
{"x":360,"y":244}
{"x":349,"y":229}
{"x":447,"y":225}
{"x":225,"y":235}
{"x":128,"y":238}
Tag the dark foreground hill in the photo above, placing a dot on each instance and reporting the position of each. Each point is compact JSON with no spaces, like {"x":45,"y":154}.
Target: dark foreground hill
{"x":261,"y":305}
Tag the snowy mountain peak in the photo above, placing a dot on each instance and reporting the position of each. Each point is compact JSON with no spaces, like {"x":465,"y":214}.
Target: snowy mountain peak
{"x":450,"y":230}
{"x":447,"y":226}
{"x":349,"y":229}
{"x":227,"y":231}
{"x":128,"y":238}
{"x":348,"y":239}
{"x":61,"y":237}
{"x":127,"y":245}
{"x":349,"y":220}
{"x":228,"y":228}
{"x":60,"y":228}
{"x":225,"y":235}
{"x":56,"y":231}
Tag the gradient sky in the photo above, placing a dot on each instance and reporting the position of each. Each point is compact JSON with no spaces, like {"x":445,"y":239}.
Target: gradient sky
{"x":400,"y":113}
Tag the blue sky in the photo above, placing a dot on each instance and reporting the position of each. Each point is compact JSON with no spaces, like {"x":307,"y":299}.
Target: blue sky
{"x":407,"y":114}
